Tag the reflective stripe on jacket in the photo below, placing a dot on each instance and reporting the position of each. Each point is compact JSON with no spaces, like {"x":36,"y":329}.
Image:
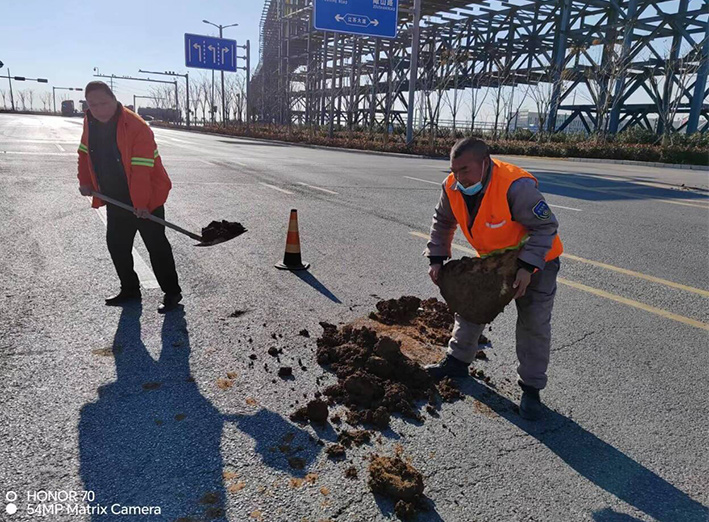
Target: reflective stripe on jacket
{"x":148,"y":182}
{"x":493,"y":229}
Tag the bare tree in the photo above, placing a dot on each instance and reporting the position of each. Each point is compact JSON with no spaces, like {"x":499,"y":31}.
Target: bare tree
{"x":513,"y":100}
{"x":600,"y":79}
{"x":670,"y":81}
{"x":3,"y":95}
{"x":30,"y":98}
{"x":236,"y":96}
{"x":478,"y":96}
{"x":46,"y":99}
{"x":22,"y":97}
{"x":205,"y":93}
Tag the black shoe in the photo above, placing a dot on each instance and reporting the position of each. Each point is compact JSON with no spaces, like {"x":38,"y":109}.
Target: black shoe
{"x":530,"y":406}
{"x":124,"y":297}
{"x":169,"y":302}
{"x":448,"y":367}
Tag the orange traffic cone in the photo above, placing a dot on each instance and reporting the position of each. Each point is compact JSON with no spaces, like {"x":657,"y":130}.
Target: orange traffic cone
{"x":291,"y":259}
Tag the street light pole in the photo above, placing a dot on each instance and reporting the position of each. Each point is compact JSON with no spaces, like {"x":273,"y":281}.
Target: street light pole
{"x":221,"y":28}
{"x":12,"y":100}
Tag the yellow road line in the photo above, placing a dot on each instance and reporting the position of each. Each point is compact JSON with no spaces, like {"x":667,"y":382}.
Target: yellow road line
{"x":617,"y":192}
{"x":639,"y":275}
{"x":601,"y":293}
{"x":632,"y":273}
{"x":635,"y":304}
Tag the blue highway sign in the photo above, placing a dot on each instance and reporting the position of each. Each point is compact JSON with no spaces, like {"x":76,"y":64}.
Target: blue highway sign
{"x":367,"y":17}
{"x":207,"y":52}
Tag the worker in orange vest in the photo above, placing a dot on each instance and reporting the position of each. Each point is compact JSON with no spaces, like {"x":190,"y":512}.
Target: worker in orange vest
{"x":498,"y":206}
{"x":118,"y":158}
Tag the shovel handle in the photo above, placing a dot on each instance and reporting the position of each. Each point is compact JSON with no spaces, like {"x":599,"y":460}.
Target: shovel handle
{"x":150,"y":216}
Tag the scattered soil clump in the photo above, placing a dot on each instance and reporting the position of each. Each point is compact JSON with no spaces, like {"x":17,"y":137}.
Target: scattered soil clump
{"x":335,"y":451}
{"x":315,"y":411}
{"x":285,"y":372}
{"x":479,"y":289}
{"x":219,"y":231}
{"x":399,"y":481}
{"x":449,"y":390}
{"x":356,"y":437}
{"x":351,"y":472}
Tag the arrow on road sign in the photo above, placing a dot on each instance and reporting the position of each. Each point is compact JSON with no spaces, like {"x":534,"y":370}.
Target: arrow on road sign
{"x":214,"y":52}
{"x":339,"y":18}
{"x":224,"y":50}
{"x":375,"y":22}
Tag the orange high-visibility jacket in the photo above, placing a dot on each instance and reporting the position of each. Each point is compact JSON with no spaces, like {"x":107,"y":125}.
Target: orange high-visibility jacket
{"x":148,"y":181}
{"x":493,"y":229}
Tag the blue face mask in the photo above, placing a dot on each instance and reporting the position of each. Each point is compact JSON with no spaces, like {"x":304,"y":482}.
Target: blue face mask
{"x":471,"y":190}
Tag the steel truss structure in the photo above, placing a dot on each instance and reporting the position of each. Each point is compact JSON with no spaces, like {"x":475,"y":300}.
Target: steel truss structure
{"x":611,"y":52}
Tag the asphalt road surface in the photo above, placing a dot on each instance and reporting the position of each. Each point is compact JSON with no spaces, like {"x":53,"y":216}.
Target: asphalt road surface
{"x":125,"y":403}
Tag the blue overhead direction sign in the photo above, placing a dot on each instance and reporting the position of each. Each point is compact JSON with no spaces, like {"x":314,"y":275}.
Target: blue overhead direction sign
{"x":377,"y":18}
{"x":207,"y":52}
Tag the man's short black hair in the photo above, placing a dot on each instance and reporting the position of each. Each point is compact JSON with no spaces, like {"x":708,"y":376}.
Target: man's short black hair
{"x":98,"y":86}
{"x":477,"y":146}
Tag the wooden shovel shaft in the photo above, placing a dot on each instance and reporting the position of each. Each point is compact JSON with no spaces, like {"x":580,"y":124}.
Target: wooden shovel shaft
{"x":150,"y":216}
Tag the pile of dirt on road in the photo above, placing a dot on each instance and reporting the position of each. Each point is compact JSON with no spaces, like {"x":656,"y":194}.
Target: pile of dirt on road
{"x":422,"y":327}
{"x":374,"y":378}
{"x":220,"y":231}
{"x":399,"y":481}
{"x":479,"y":289}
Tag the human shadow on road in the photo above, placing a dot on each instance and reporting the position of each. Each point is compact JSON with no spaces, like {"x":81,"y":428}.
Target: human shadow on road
{"x":593,"y":188}
{"x":386,"y":506}
{"x":597,"y":461}
{"x":152,"y":439}
{"x":311,"y":280}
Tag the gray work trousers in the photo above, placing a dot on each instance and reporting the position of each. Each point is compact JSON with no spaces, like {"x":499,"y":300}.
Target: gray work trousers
{"x":533,"y":329}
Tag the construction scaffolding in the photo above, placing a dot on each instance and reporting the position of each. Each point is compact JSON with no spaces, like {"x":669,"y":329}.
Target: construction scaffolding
{"x":630,"y":62}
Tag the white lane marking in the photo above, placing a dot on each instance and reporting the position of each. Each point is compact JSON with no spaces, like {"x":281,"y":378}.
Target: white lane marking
{"x":61,"y":149}
{"x":38,"y":153}
{"x":146,"y":276}
{"x":206,"y":162}
{"x":567,"y":208}
{"x":423,"y":180}
{"x":276,"y":188}
{"x":317,"y":188}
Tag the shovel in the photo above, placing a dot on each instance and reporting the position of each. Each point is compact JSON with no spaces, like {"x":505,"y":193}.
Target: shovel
{"x":224,"y":235}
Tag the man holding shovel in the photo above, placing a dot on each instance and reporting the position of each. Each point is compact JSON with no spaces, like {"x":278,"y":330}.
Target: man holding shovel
{"x":498,"y":207}
{"x":118,"y":158}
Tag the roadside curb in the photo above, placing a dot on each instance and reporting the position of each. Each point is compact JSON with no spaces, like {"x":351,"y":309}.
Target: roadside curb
{"x":419,"y":156}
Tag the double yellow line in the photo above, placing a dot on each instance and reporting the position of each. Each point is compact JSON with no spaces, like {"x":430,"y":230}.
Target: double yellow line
{"x":613,"y":297}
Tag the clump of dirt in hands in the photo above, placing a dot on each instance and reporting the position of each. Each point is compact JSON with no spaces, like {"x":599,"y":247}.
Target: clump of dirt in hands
{"x":399,"y":481}
{"x":479,"y":289}
{"x":218,"y":231}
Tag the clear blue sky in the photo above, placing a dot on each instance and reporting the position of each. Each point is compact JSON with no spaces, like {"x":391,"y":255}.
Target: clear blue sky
{"x":63,"y":41}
